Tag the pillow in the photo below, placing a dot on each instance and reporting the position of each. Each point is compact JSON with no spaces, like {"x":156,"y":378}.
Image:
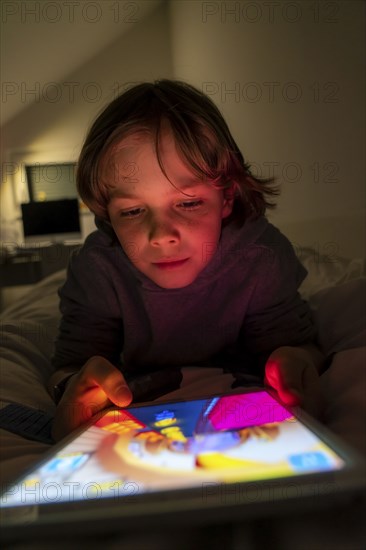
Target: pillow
{"x":340,"y":316}
{"x":40,"y":304}
{"x":325,"y":270}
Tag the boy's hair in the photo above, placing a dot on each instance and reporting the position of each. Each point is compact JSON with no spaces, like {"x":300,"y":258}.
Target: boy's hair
{"x":201,"y":136}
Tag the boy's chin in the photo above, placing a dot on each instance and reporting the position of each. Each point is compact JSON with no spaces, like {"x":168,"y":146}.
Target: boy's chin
{"x":171,"y":281}
{"x":171,"y":285}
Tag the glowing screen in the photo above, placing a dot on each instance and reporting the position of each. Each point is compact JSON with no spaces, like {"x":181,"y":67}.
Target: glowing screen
{"x":240,"y":437}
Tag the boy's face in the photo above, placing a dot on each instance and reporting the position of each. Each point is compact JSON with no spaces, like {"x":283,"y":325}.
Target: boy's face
{"x":169,"y":235}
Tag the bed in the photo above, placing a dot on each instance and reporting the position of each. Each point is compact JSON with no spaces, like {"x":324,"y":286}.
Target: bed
{"x":336,"y":290}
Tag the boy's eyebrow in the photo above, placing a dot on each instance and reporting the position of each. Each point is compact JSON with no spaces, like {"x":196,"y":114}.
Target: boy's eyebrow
{"x":189,"y":184}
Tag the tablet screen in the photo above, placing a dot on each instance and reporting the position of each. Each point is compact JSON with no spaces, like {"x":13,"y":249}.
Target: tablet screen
{"x":231,"y":438}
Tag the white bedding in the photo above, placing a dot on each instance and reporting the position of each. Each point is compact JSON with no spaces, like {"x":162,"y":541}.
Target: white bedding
{"x":337,"y":294}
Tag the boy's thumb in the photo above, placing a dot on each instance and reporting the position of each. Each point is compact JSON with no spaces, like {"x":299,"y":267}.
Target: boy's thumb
{"x":111,"y":381}
{"x":122,"y":395}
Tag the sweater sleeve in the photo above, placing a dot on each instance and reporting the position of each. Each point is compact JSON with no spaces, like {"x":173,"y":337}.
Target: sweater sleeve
{"x":277,"y":315}
{"x":91,"y":322}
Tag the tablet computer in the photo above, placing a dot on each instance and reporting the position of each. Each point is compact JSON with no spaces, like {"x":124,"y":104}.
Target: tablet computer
{"x":221,"y":457}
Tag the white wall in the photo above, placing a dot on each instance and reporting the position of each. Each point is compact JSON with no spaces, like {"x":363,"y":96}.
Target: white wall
{"x":52,"y":131}
{"x":289,"y":78}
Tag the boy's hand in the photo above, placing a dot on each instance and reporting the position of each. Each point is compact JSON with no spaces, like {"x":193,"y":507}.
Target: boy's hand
{"x":98,"y":385}
{"x":293,"y":374}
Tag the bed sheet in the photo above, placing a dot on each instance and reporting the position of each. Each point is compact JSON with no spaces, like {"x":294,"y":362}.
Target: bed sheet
{"x":28,"y":329}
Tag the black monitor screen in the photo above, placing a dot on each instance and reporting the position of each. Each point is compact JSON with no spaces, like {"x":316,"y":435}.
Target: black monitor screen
{"x":51,"y":218}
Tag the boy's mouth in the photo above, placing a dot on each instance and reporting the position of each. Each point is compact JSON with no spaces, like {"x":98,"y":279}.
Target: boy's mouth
{"x":170,"y":264}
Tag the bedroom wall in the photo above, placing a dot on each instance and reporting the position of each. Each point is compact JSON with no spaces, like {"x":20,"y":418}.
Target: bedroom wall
{"x":289,"y":78}
{"x":52,"y":131}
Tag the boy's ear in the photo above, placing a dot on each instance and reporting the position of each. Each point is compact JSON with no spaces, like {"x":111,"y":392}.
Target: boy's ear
{"x":227,"y":207}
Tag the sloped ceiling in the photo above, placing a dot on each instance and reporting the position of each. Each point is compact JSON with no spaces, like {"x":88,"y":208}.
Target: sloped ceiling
{"x":42,"y":42}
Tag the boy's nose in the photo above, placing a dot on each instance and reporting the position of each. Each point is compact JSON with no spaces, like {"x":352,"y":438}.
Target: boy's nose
{"x":163,"y":232}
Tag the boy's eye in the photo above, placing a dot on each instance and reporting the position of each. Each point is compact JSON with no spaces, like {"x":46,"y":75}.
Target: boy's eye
{"x":186,"y":205}
{"x":191,"y":205}
{"x":131,"y":213}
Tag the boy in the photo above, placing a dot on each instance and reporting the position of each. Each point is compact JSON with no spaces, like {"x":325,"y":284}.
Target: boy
{"x":184,"y":269}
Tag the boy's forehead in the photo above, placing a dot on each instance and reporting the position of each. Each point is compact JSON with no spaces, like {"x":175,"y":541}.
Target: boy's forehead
{"x":132,"y":142}
{"x":127,"y":147}
{"x":128,"y":188}
{"x":130,"y":159}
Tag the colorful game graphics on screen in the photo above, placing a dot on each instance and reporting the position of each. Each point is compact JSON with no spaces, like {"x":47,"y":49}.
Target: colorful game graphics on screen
{"x":235,"y":438}
{"x":242,"y":437}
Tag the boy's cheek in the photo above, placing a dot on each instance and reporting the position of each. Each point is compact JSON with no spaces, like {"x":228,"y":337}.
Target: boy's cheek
{"x":132,"y":250}
{"x":209,"y":249}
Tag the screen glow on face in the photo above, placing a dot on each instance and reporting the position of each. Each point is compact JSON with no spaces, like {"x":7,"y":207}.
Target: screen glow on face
{"x":235,"y":438}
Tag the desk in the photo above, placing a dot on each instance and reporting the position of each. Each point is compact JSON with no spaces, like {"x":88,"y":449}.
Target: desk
{"x":28,"y":266}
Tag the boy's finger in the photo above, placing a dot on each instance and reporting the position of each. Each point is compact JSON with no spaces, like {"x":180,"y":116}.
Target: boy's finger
{"x":96,"y":387}
{"x":109,"y":379}
{"x":118,"y":393}
{"x":287,"y":382}
{"x":296,"y":386}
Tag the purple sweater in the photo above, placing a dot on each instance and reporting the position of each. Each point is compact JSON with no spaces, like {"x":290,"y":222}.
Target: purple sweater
{"x":241,"y":307}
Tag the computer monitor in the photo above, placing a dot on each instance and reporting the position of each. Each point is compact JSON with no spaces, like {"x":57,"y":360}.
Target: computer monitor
{"x":53,"y":221}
